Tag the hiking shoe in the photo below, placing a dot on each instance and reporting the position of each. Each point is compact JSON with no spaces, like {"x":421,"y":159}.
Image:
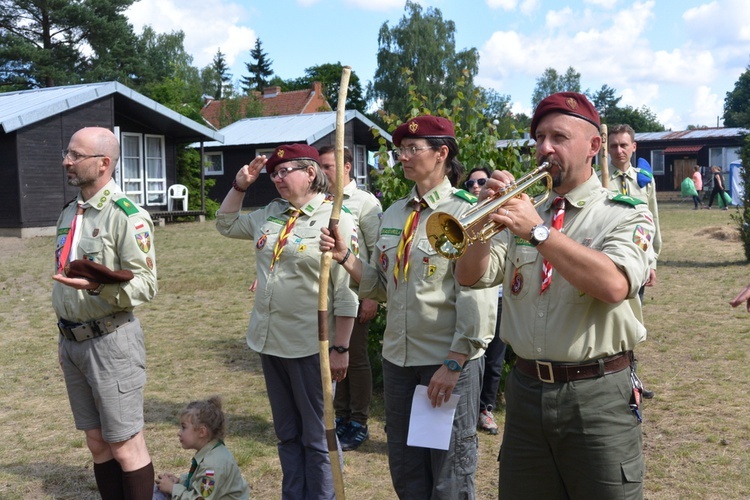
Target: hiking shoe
{"x":342,"y":427}
{"x":355,"y":435}
{"x":487,"y":422}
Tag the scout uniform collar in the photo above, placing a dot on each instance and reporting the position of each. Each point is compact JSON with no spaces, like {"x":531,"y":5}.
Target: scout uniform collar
{"x":214,"y":443}
{"x":311,"y":206}
{"x":434,"y":196}
{"x":350,"y":188}
{"x":100,"y":199}
{"x":578,"y":197}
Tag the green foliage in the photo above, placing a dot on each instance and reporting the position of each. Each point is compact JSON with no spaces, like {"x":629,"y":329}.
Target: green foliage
{"x":329,"y":75}
{"x":189,"y":175}
{"x":742,"y":217}
{"x":641,"y":119}
{"x":551,"y":81}
{"x":259,"y":70}
{"x":737,"y":103}
{"x":424,"y":44}
{"x":239,"y":107}
{"x":59,"y":42}
{"x":219,"y":84}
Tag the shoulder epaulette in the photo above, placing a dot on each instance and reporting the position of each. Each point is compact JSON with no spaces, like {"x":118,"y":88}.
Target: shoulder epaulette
{"x":70,"y":202}
{"x":465,"y":195}
{"x":628,"y":200}
{"x":126,"y":205}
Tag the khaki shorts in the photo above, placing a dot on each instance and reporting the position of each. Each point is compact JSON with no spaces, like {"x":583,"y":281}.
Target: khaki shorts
{"x":105,"y":377}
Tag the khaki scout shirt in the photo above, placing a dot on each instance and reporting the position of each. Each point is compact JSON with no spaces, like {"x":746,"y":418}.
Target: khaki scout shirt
{"x":430,"y":314}
{"x":564,"y":324}
{"x":116,"y":238}
{"x":216,"y":476}
{"x":646,"y":194}
{"x":284,"y":321}
{"x":367,"y":211}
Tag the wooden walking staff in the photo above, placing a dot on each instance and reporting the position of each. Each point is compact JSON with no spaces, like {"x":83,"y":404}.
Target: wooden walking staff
{"x":325,"y":266}
{"x":605,"y":157}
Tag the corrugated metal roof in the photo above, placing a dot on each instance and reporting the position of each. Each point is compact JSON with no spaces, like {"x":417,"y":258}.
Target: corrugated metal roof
{"x":306,"y":128}
{"x":21,"y":109}
{"x":683,"y":149}
{"x":694,"y":134}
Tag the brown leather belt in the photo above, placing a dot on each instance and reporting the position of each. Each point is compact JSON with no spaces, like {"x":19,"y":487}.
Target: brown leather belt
{"x":551,"y":372}
{"x":92,"y":329}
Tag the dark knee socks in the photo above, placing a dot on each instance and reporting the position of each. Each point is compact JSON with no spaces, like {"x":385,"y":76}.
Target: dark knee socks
{"x":115,"y":484}
{"x":109,"y":480}
{"x":139,"y":484}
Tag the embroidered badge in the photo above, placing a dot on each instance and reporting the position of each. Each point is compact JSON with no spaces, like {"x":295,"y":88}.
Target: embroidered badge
{"x":150,"y":263}
{"x":139,"y":226}
{"x":390,"y":231}
{"x":429,"y":269}
{"x":208,"y":484}
{"x":413,"y":127}
{"x":144,"y":241}
{"x":642,"y":237}
{"x":354,"y":244}
{"x":571,"y":103}
{"x":384,"y":261}
{"x":261,"y":242}
{"x":301,"y":248}
{"x":95,"y":233}
{"x":517,"y":284}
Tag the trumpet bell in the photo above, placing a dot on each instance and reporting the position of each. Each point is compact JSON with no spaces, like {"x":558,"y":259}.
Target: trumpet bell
{"x":446,"y":235}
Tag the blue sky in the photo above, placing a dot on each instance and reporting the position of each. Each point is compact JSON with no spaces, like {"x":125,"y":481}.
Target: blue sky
{"x":678,"y":57}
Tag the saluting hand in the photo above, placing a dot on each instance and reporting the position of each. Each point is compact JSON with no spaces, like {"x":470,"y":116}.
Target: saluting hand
{"x":249,"y":173}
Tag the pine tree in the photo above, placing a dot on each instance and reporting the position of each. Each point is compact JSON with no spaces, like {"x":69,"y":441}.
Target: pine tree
{"x":223,"y":79}
{"x":259,"y":71}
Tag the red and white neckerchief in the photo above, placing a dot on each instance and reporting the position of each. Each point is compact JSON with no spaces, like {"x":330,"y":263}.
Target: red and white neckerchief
{"x":557,"y":223}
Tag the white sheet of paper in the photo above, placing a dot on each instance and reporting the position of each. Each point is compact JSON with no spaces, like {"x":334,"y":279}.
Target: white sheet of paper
{"x":431,"y":427}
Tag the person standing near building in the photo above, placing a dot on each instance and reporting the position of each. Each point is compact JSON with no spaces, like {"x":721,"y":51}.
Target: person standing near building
{"x":718,"y":188}
{"x":624,"y":180}
{"x":105,"y":268}
{"x":570,"y":272}
{"x":436,"y":331}
{"x":284,"y":320}
{"x":353,"y":394}
{"x":698,"y":182}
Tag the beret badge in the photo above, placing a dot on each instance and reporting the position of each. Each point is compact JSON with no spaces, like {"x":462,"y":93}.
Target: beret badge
{"x":572,"y":103}
{"x":280,"y":153}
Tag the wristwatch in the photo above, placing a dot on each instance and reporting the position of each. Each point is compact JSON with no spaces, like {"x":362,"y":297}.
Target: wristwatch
{"x":539,"y":234}
{"x":453,"y":365}
{"x":340,"y":349}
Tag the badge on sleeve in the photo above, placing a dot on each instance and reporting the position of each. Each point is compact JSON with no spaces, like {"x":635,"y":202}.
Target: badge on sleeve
{"x":144,"y":241}
{"x":642,"y":237}
{"x":208,"y":484}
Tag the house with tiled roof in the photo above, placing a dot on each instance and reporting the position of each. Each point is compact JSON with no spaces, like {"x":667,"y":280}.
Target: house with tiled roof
{"x":274,"y":103}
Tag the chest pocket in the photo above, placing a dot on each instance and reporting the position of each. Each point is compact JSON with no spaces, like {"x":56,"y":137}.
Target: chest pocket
{"x":425,"y":261}
{"x":303,"y":242}
{"x":90,"y":247}
{"x":269,"y":235}
{"x":387,"y":247}
{"x":523,"y":271}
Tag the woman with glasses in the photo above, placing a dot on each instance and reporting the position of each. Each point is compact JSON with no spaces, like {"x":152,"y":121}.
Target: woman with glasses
{"x":436,"y":330}
{"x":283,"y":326}
{"x":476,"y":180}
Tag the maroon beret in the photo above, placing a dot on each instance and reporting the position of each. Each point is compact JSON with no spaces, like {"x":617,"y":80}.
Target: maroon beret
{"x":291,"y":152}
{"x":97,"y":273}
{"x":424,"y":126}
{"x":569,"y":103}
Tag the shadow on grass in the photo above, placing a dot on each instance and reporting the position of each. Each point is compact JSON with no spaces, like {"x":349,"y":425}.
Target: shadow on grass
{"x":61,"y":482}
{"x":702,"y":264}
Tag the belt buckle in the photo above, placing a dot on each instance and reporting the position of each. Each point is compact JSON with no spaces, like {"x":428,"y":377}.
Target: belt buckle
{"x":548,"y":366}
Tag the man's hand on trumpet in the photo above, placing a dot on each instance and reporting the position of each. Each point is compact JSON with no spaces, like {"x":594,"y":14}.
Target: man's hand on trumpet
{"x":518,"y":214}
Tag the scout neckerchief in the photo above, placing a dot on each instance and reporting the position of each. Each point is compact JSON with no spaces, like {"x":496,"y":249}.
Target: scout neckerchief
{"x":283,"y":237}
{"x":194,"y":465}
{"x":404,"y":244}
{"x":557,"y":223}
{"x":71,"y":242}
{"x":624,"y":183}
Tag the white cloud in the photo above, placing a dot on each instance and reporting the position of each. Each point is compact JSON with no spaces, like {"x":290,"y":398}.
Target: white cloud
{"x":204,"y":33}
{"x":379,"y":5}
{"x":502,"y":4}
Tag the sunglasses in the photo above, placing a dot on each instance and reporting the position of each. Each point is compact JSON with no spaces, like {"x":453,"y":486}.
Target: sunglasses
{"x":470,"y":183}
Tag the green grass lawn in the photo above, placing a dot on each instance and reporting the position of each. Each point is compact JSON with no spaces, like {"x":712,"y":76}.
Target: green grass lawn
{"x":696,"y":429}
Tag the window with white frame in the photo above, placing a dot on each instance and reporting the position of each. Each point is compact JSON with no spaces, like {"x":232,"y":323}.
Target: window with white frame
{"x":267,"y":152}
{"x":723,"y":157}
{"x":213,"y":163}
{"x":360,"y":165}
{"x":657,"y":162}
{"x":142,"y":174}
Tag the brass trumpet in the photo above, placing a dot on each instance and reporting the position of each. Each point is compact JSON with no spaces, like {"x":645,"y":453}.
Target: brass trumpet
{"x":450,"y":236}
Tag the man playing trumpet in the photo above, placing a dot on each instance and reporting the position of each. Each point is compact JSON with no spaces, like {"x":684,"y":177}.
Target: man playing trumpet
{"x":570,"y":273}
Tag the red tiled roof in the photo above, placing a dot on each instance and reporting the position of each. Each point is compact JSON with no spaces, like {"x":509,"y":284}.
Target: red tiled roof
{"x":682,"y":149}
{"x":275,"y":103}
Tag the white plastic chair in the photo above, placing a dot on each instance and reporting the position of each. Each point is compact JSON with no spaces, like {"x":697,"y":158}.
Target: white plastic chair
{"x":177,"y":192}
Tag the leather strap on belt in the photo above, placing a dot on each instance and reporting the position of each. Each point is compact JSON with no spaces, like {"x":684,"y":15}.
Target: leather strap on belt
{"x":92,"y":329}
{"x":551,"y":372}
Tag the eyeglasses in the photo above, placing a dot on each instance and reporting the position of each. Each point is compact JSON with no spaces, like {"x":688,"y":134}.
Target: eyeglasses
{"x":76,"y":157}
{"x":281,"y":173}
{"x":408,"y":151}
{"x":470,"y":183}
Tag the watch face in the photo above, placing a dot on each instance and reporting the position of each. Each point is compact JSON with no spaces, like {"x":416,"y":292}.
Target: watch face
{"x":540,"y":233}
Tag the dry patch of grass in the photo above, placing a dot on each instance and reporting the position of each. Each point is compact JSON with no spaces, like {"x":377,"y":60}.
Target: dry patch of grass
{"x":696,"y":430}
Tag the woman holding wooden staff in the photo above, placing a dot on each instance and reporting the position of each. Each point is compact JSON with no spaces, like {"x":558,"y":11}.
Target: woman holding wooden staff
{"x":436,"y":331}
{"x":284,"y":320}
